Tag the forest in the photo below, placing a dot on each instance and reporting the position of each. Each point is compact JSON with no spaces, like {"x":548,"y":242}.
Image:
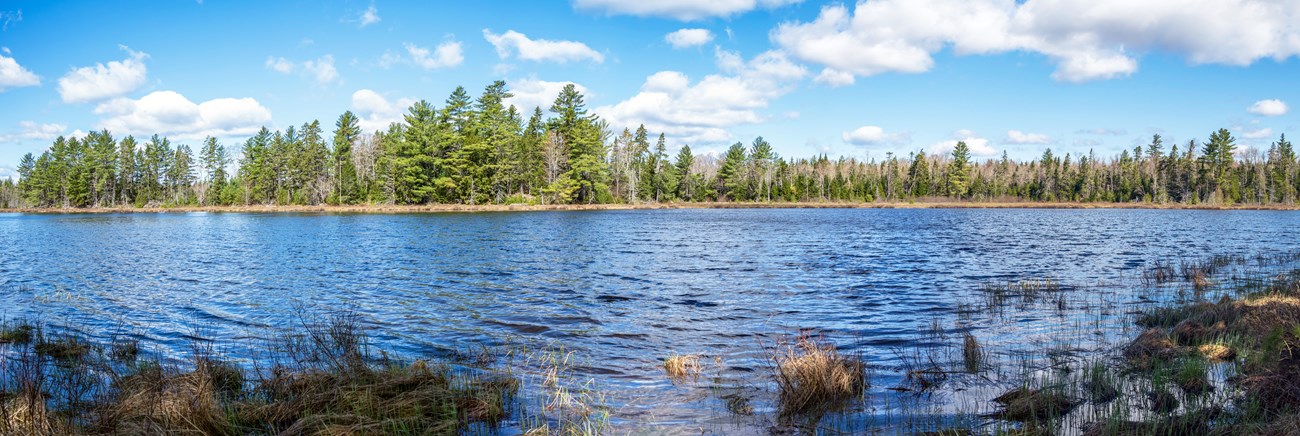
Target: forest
{"x":481,"y":151}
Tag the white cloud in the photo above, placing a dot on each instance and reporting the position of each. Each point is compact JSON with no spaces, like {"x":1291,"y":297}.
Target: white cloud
{"x":1258,"y":134}
{"x":1269,"y":108}
{"x":702,"y":113}
{"x":104,"y":81}
{"x":685,"y":38}
{"x":375,"y":111}
{"x":170,"y":113}
{"x":1086,"y":39}
{"x":370,"y":16}
{"x":979,"y":147}
{"x":34,"y":131}
{"x":540,"y":50}
{"x":533,"y":93}
{"x":1018,"y":137}
{"x":279,"y":65}
{"x":321,"y":70}
{"x":834,"y":78}
{"x":445,"y":55}
{"x":685,"y":10}
{"x":7,"y":172}
{"x":864,"y":135}
{"x":13,"y":75}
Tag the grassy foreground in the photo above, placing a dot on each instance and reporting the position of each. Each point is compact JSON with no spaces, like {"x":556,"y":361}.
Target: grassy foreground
{"x":322,"y":381}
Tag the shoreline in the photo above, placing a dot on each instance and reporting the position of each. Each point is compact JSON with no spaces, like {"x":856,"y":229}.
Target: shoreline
{"x":444,"y":208}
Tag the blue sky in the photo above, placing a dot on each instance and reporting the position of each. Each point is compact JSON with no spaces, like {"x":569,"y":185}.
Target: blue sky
{"x":855,"y":79}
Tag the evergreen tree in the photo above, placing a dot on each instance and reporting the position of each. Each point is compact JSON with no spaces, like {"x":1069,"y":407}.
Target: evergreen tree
{"x":959,"y":171}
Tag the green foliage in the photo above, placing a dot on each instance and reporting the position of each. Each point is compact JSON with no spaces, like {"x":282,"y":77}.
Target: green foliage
{"x":482,"y":151}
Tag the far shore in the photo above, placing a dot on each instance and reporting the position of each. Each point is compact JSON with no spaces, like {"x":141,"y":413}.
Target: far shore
{"x":433,"y":208}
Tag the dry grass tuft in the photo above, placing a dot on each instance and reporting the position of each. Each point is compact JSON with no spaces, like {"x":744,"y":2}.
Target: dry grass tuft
{"x":679,"y":367}
{"x":1217,"y":352}
{"x":813,"y":376}
{"x":153,"y":402}
{"x":28,"y":415}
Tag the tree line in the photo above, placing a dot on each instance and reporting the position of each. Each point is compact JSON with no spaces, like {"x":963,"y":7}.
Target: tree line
{"x":481,"y":151}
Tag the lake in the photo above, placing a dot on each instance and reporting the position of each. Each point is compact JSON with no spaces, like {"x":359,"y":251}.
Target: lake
{"x":624,"y":289}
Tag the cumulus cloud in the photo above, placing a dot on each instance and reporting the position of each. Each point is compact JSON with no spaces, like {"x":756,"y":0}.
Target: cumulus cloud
{"x":1086,"y":39}
{"x":979,"y":147}
{"x":516,"y":44}
{"x":1018,"y":137}
{"x":31,"y":130}
{"x":13,"y":75}
{"x":864,"y":135}
{"x":685,"y":38}
{"x":1268,"y":108}
{"x":103,"y":81}
{"x":834,"y":78}
{"x":703,"y":111}
{"x":684,"y":10}
{"x":170,"y":113}
{"x":1258,"y":134}
{"x":445,"y":55}
{"x":533,"y":93}
{"x":321,"y":69}
{"x":375,"y":112}
{"x":370,"y":16}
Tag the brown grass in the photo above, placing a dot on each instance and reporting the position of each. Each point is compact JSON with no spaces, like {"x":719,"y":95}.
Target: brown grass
{"x":326,"y":384}
{"x":1217,"y":352}
{"x":680,"y":367}
{"x":812,"y":376}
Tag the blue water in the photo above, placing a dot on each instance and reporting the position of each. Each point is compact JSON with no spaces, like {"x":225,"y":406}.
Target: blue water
{"x":623,"y":289}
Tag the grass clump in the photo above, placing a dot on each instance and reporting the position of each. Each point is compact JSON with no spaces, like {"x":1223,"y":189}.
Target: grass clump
{"x":62,"y":347}
{"x":680,"y":367}
{"x":20,"y":333}
{"x":323,"y":381}
{"x":812,"y":376}
{"x":1033,"y":405}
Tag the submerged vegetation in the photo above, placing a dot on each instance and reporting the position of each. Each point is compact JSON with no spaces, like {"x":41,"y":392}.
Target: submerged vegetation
{"x":483,"y":151}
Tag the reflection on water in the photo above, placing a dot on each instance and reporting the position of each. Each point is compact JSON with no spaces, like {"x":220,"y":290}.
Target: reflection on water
{"x":621,"y":288}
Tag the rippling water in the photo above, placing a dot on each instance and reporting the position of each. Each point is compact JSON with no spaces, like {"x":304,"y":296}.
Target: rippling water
{"x":621,"y":288}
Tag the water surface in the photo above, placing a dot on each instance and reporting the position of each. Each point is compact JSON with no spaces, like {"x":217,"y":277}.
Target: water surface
{"x":622,"y":289}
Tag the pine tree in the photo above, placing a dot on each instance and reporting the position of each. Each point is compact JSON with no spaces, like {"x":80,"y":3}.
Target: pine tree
{"x":959,"y":171}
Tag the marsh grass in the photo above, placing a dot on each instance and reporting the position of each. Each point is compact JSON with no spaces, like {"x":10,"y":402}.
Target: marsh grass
{"x":324,"y":381}
{"x":813,"y":377}
{"x":680,"y":367}
{"x":18,"y":332}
